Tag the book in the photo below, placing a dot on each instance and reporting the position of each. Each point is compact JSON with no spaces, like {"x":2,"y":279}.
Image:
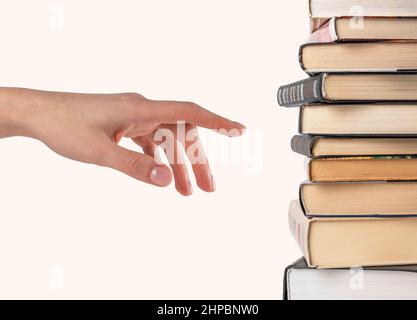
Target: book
{"x":317,"y":147}
{"x":361,"y":29}
{"x":359,"y":87}
{"x":375,"y":168}
{"x":359,"y":119}
{"x":365,"y":199}
{"x":302,"y":282}
{"x":376,"y":8}
{"x":375,"y":56}
{"x":343,"y":242}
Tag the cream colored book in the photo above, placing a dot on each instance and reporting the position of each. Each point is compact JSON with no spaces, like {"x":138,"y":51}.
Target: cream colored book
{"x":344,"y":242}
{"x":376,"y":56}
{"x":375,"y":168}
{"x":371,"y":199}
{"x":359,"y":119}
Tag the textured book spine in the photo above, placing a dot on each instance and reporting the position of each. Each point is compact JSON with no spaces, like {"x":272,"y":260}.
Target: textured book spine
{"x":299,"y":226}
{"x":326,"y":33}
{"x":303,"y":145}
{"x":302,"y":92}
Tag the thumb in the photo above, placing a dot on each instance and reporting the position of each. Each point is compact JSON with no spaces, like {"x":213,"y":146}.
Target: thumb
{"x":137,"y":165}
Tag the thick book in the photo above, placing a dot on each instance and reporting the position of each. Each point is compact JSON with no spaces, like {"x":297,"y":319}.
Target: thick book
{"x":384,"y":119}
{"x":374,"y":8}
{"x":374,"y":168}
{"x":317,"y":147}
{"x":364,"y":199}
{"x":302,"y":282}
{"x":363,"y":29}
{"x":348,"y":88}
{"x":374,"y":56}
{"x":343,"y":242}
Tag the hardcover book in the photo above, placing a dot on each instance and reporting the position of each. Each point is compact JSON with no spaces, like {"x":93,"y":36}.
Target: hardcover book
{"x":389,"y":119}
{"x":317,"y":147}
{"x":375,"y":168}
{"x":302,"y":282}
{"x":375,"y":8}
{"x":342,"y":242}
{"x":376,"y":56}
{"x":359,"y":87}
{"x":365,"y":199}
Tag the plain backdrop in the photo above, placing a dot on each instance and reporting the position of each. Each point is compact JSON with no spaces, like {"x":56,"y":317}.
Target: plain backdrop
{"x":72,"y":230}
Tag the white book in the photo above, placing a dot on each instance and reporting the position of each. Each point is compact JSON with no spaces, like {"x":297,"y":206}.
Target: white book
{"x":377,"y":283}
{"x":375,"y":8}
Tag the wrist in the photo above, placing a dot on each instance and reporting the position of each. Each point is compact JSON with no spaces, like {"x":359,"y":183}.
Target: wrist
{"x":15,"y":113}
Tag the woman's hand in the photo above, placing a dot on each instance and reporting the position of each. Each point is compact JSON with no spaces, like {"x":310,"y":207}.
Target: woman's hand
{"x":88,"y":127}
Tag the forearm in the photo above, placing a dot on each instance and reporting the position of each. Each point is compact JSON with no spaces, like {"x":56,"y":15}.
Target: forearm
{"x":15,"y":112}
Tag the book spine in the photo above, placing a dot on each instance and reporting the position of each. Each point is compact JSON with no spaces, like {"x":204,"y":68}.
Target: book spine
{"x":299,"y":226}
{"x":285,"y":293}
{"x":300,"y":120}
{"x":303,"y":145}
{"x":301,"y":199}
{"x":300,"y":58}
{"x":325,"y":33}
{"x":302,"y":92}
{"x":287,"y":276}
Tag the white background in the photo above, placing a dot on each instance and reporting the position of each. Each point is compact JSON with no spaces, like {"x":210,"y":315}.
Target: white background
{"x":71,"y":230}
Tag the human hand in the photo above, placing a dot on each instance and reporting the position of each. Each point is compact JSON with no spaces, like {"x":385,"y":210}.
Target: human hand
{"x":88,"y":128}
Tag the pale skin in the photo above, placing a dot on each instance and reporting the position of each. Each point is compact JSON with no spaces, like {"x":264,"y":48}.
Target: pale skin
{"x":88,"y":128}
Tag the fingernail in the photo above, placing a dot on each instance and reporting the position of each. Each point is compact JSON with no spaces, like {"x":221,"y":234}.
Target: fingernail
{"x":213,"y":183}
{"x":237,"y":131}
{"x":160,"y":176}
{"x":190,"y":187}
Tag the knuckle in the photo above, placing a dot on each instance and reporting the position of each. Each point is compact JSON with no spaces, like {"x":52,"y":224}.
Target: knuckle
{"x":135,"y":104}
{"x":192,"y":109}
{"x":131,"y":96}
{"x":131,"y":99}
{"x":190,"y":106}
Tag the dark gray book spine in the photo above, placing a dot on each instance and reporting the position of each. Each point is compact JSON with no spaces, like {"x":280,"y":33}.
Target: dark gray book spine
{"x":303,"y":145}
{"x":302,"y":92}
{"x":299,"y":264}
{"x":285,"y":288}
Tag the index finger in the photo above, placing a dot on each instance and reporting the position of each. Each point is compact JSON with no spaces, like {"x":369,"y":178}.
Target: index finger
{"x":170,"y":112}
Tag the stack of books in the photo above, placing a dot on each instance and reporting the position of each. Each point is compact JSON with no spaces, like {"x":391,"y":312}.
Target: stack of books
{"x":356,"y":217}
